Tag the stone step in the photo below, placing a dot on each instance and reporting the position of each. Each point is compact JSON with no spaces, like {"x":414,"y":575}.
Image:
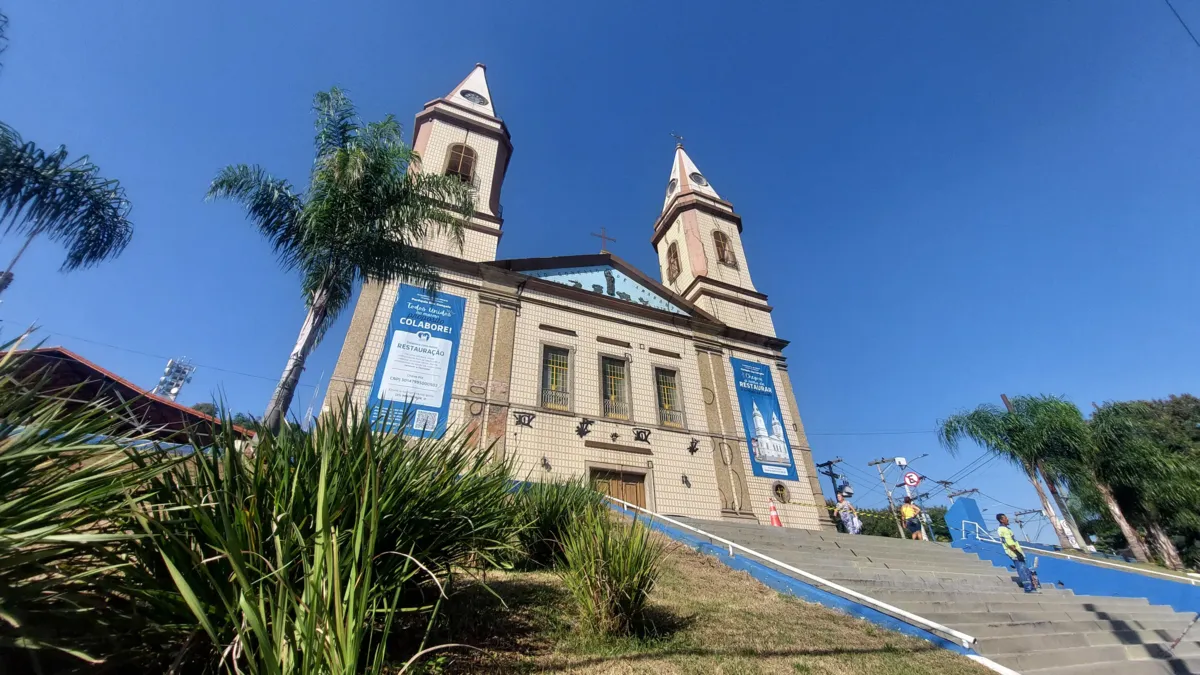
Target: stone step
{"x":850,"y":557}
{"x":900,"y":576}
{"x":1025,"y":644}
{"x":918,"y":585}
{"x":1159,"y":630}
{"x":801,"y":561}
{"x":972,"y":604}
{"x":1014,"y":595}
{"x":1076,"y":656}
{"x":999,"y":594}
{"x":1181,"y":666}
{"x":880,"y":545}
{"x":955,"y":619}
{"x":849,"y":571}
{"x":881,"y":553}
{"x":1017,"y":595}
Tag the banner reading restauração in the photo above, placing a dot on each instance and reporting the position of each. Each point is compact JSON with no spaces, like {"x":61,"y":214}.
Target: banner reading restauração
{"x":415,"y":372}
{"x":770,"y":450}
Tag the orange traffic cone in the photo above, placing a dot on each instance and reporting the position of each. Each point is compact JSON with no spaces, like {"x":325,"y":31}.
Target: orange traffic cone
{"x":774,"y":514}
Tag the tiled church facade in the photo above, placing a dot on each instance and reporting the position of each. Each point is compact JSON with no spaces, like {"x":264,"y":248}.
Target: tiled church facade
{"x":693,"y":459}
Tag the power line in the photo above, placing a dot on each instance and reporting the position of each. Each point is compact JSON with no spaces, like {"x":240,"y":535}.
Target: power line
{"x":960,"y":475}
{"x":1011,"y":506}
{"x":967,"y":470}
{"x":1183,"y":23}
{"x":161,"y":358}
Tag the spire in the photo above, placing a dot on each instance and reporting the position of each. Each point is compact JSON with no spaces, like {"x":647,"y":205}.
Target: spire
{"x":473,"y":92}
{"x":686,"y":178}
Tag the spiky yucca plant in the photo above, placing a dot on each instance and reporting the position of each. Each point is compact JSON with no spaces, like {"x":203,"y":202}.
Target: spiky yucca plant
{"x":298,"y":558}
{"x":544,"y":512}
{"x":65,"y":483}
{"x":611,"y":568}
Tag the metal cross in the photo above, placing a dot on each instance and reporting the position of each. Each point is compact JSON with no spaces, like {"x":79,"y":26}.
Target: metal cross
{"x":677,"y":137}
{"x":604,"y":239}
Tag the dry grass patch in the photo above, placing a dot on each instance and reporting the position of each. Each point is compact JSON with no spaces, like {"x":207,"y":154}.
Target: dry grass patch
{"x":704,"y":618}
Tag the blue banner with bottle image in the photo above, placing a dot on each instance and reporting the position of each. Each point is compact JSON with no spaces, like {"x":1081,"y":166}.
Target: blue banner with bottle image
{"x":770,"y":451}
{"x":415,"y":373}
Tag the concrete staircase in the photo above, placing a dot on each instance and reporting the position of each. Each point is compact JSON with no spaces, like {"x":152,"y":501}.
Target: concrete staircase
{"x":1052,"y":633}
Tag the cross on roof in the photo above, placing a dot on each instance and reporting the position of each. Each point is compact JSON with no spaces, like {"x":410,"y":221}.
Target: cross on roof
{"x":604,"y":239}
{"x":678,"y":138}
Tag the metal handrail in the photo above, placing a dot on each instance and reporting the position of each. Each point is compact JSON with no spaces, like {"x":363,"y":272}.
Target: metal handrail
{"x":965,"y":640}
{"x":1090,"y":561}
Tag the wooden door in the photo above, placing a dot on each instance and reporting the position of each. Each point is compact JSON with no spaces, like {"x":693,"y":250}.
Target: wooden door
{"x":629,"y":487}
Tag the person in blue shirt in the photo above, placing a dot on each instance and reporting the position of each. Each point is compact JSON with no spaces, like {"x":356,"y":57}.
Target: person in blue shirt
{"x":1013,"y":549}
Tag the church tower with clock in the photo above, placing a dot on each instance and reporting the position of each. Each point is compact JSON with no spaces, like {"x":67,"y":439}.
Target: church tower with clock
{"x":698,"y":238}
{"x":670,"y":391}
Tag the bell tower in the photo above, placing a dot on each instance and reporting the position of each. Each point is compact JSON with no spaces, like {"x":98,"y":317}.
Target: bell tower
{"x":460,"y":134}
{"x":698,"y":238}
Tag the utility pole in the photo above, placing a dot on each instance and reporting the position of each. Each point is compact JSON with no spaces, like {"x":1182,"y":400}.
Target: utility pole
{"x":878,"y":464}
{"x":960,"y":493}
{"x":827,"y":469}
{"x":1021,"y":523}
{"x":1069,"y":533}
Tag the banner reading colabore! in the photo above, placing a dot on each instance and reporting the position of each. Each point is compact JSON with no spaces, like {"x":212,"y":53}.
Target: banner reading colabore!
{"x":416,"y":371}
{"x":770,"y":451}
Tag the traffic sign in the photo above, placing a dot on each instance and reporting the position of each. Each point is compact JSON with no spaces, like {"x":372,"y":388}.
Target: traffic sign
{"x":912,"y":479}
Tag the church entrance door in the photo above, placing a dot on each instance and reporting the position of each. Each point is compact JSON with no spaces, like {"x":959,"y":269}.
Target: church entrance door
{"x":629,"y":487}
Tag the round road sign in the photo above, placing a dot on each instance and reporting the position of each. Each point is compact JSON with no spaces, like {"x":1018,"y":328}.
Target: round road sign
{"x":911,"y":479}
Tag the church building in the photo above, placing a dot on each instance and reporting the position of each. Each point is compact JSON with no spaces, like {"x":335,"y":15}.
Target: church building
{"x":667,"y":390}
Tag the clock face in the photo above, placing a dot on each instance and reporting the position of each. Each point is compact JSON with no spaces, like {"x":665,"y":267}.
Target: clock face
{"x":698,"y":179}
{"x":473,"y":97}
{"x":671,"y":187}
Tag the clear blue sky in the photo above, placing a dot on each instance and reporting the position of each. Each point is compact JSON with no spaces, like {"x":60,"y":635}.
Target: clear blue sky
{"x":945,"y":201}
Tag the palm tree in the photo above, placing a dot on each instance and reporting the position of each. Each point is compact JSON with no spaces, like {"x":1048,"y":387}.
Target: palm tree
{"x":1151,"y":483}
{"x":1080,"y":453}
{"x":68,"y":201}
{"x":1020,"y":435}
{"x":361,"y":219}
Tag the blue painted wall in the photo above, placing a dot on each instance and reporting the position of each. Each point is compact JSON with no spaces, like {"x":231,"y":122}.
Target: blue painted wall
{"x":1087,"y":579}
{"x":964,"y":508}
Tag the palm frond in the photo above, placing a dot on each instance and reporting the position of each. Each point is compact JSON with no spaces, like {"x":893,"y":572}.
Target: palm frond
{"x":337,"y":122}
{"x":68,"y":201}
{"x":271,"y":204}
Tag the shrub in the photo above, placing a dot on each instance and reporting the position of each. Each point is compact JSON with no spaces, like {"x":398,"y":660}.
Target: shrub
{"x":544,"y":511}
{"x":64,"y":482}
{"x":610,"y":569}
{"x":296,"y":558}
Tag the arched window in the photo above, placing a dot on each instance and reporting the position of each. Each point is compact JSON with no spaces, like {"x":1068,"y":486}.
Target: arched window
{"x":672,"y":262}
{"x":462,"y":163}
{"x":724,"y":250}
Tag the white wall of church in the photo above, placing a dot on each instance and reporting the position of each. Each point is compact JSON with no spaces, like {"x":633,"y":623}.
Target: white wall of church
{"x":553,"y":434}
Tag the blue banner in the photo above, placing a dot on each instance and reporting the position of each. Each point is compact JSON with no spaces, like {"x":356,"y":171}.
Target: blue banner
{"x":770,"y":451}
{"x":416,"y":370}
